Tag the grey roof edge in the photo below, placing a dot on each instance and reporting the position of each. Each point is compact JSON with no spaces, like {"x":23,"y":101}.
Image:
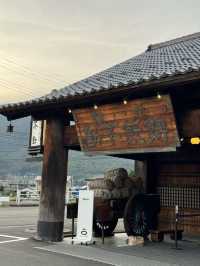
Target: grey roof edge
{"x":174,"y":41}
{"x":47,"y":99}
{"x":9,"y":109}
{"x":79,"y":90}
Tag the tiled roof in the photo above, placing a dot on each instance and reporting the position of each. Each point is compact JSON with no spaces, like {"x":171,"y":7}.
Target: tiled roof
{"x":178,"y":56}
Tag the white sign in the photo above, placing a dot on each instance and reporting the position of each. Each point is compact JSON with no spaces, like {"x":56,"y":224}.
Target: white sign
{"x":85,"y":216}
{"x":36,"y":133}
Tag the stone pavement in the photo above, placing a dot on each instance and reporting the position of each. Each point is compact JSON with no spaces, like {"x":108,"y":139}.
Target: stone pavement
{"x":116,"y":252}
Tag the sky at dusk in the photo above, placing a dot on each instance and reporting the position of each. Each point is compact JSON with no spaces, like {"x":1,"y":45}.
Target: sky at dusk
{"x":47,"y":44}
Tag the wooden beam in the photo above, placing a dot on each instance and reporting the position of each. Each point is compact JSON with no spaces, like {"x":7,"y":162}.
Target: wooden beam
{"x":189,"y":123}
{"x":141,"y":171}
{"x":152,"y":175}
{"x":52,"y":201}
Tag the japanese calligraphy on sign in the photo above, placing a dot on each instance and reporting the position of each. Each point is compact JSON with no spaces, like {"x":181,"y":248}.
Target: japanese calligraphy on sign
{"x":36,"y":133}
{"x":145,"y":125}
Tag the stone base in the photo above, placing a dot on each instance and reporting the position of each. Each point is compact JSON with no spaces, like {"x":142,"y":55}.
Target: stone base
{"x":135,"y":240}
{"x":50,"y":231}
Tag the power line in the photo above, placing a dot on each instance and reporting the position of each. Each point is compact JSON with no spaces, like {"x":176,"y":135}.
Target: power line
{"x":29,"y":72}
{"x":19,"y":86}
{"x":10,"y":64}
{"x":19,"y":89}
{"x":15,"y":89}
{"x":13,"y":60}
{"x":23,"y":73}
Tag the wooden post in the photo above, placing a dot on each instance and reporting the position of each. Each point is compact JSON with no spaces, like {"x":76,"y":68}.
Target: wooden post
{"x":52,"y":200}
{"x":141,"y":171}
{"x":152,"y":176}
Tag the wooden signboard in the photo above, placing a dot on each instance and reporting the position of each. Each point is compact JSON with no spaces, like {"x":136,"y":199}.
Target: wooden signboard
{"x":140,"y":126}
{"x":70,"y":137}
{"x":36,"y":139}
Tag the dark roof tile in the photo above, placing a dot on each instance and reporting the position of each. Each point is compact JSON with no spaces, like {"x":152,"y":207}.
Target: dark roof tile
{"x":175,"y":57}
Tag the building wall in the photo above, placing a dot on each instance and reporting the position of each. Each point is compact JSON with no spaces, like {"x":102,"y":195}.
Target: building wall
{"x":179,"y":183}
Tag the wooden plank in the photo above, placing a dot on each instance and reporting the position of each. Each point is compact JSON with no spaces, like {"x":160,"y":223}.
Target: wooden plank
{"x":189,"y":123}
{"x":70,"y":137}
{"x":181,"y":182}
{"x":184,"y":174}
{"x":188,"y":224}
{"x":140,"y":126}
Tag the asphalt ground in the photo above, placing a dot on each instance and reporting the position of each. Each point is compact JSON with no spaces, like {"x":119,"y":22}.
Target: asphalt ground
{"x":18,"y":248}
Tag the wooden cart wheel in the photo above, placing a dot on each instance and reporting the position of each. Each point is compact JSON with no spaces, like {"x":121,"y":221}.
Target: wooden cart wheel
{"x":135,"y":217}
{"x":109,"y":227}
{"x":105,"y":217}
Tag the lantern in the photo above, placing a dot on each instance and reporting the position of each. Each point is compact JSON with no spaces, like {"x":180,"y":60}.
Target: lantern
{"x":10,"y":128}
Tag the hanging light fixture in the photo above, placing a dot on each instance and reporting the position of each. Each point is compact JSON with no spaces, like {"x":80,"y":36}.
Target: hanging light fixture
{"x":159,"y":96}
{"x":10,"y":128}
{"x":125,"y":101}
{"x":95,"y":106}
{"x":69,"y":111}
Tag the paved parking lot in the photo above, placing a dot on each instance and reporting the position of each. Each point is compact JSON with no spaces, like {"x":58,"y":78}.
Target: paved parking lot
{"x":17,"y":248}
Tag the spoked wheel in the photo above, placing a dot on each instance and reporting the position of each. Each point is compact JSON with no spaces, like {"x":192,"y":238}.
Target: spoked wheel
{"x":109,"y":227}
{"x":135,"y":217}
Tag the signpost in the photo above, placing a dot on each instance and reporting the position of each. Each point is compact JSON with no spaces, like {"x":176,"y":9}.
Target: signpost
{"x":36,"y":136}
{"x":85,"y":217}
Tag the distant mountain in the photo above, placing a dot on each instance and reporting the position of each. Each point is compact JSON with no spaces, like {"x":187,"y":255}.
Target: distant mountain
{"x":13,"y":154}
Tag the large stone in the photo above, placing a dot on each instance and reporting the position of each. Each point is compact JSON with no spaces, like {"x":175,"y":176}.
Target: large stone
{"x":102,"y":193}
{"x":129,"y":183}
{"x":135,"y":240}
{"x":101,"y":184}
{"x":117,"y":176}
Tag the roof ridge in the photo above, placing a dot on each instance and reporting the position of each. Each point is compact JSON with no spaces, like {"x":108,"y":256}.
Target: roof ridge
{"x":174,"y":41}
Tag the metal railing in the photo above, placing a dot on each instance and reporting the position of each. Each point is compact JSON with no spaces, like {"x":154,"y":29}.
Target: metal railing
{"x":27,"y":195}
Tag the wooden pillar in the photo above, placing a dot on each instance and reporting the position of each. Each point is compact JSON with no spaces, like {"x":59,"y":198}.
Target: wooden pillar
{"x":54,"y":172}
{"x":152,"y":176}
{"x":141,"y":171}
